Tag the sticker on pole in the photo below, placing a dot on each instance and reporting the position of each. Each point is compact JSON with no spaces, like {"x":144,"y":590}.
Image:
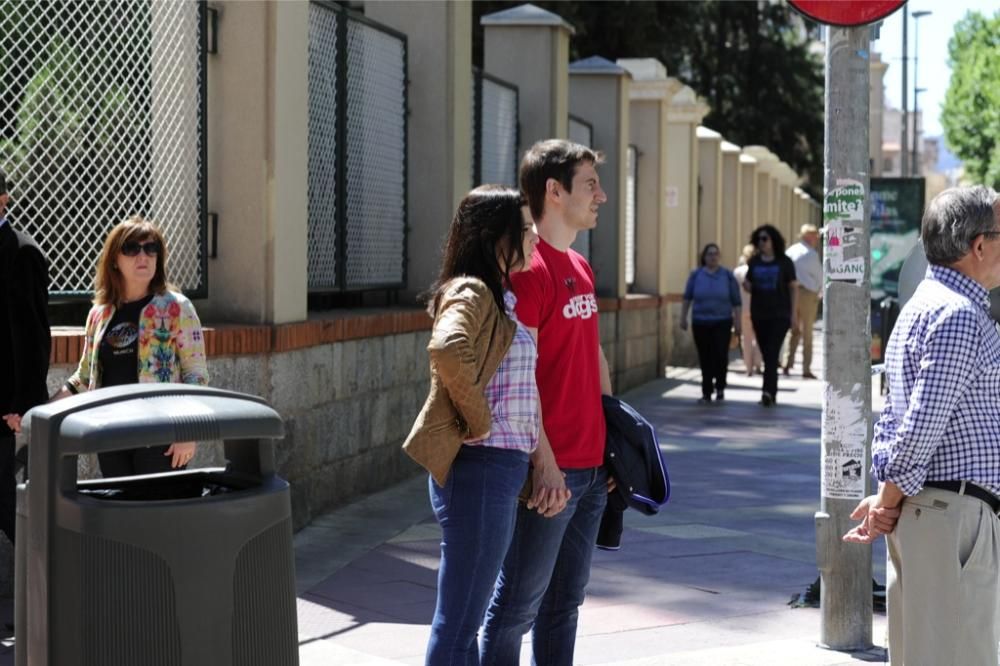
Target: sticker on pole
{"x":845,"y":434}
{"x":843,"y":219}
{"x":844,"y":476}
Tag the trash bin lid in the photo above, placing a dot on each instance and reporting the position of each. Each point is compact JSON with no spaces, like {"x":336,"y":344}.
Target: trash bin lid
{"x":162,"y":417}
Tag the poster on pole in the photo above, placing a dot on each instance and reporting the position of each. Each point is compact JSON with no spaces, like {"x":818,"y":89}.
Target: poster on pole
{"x":843,"y":221}
{"x":845,"y":434}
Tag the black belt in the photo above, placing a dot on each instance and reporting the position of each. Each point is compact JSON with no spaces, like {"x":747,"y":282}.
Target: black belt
{"x":971,"y":489}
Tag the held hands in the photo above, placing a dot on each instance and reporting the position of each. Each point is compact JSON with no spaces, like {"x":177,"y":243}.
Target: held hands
{"x":182,"y":453}
{"x":875,"y":521}
{"x":550,"y":494}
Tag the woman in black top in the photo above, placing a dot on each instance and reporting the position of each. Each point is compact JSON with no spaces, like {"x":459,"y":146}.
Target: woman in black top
{"x":773,"y":288}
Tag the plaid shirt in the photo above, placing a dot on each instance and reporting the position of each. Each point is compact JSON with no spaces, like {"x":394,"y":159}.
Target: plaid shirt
{"x":512,"y":393}
{"x":941,"y":420}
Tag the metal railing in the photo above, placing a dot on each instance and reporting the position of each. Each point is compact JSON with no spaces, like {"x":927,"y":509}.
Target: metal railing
{"x":102,"y":116}
{"x":357,"y":187}
{"x":495,"y":131}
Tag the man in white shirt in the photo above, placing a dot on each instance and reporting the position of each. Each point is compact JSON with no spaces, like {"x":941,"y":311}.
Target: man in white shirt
{"x":809,"y":273}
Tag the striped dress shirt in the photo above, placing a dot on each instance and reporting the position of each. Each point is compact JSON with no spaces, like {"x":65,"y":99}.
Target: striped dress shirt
{"x":941,"y":420}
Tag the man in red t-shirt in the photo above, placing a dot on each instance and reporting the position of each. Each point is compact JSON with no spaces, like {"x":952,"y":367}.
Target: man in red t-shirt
{"x":541,"y":585}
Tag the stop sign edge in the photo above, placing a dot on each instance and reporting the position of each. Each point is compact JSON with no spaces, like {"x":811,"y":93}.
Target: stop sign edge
{"x":889,"y":7}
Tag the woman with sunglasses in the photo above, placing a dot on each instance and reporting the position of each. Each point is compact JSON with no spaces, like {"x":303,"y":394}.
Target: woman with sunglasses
{"x":481,"y":419}
{"x":141,"y":329}
{"x":773,"y":289}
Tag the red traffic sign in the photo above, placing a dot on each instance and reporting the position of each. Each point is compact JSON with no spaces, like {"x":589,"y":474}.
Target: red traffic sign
{"x":846,"y":13}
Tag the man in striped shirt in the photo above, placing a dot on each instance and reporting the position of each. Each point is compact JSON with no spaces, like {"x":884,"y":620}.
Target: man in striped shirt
{"x":936,"y":451}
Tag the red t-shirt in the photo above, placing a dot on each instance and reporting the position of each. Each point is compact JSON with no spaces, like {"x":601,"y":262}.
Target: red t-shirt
{"x":557,"y":297}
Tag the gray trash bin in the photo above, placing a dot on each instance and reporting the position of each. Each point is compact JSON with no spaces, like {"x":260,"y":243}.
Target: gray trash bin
{"x":191,"y":568}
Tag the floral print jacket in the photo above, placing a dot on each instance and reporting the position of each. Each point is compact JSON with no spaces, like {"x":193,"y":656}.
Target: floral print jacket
{"x":171,"y":344}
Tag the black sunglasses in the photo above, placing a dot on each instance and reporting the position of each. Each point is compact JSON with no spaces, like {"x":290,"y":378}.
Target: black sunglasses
{"x":761,"y":239}
{"x":133,"y":248}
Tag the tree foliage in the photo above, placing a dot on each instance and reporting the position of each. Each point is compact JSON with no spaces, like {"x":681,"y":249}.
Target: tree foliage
{"x":750,"y":61}
{"x":971,"y":110}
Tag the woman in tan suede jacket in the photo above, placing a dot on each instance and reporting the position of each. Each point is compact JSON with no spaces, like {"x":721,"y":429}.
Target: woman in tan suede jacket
{"x":480,"y":421}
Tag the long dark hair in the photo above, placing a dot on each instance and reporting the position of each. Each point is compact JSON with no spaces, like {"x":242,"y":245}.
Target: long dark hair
{"x":485,"y":241}
{"x":777,"y":240}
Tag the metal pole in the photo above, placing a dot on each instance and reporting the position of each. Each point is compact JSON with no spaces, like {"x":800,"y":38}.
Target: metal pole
{"x":914,"y":162}
{"x":846,"y":569}
{"x":904,"y":144}
{"x":914,"y":169}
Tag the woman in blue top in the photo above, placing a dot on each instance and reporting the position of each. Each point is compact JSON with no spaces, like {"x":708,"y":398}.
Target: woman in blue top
{"x":717,"y":304}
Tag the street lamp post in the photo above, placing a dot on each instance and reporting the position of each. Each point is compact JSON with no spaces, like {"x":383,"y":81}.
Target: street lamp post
{"x":914,"y":164}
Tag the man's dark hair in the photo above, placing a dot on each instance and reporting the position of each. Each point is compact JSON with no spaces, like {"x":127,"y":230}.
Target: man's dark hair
{"x":952,"y":221}
{"x":553,"y":158}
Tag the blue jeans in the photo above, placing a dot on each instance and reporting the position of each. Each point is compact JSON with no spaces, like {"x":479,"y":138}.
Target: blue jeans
{"x":476,"y":509}
{"x":544,"y":576}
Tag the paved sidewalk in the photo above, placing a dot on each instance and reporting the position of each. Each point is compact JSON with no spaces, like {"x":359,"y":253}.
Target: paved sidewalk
{"x":706,"y":582}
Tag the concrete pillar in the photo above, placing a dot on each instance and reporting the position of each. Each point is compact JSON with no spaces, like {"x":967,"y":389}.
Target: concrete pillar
{"x":684,"y":113}
{"x":748,"y":199}
{"x":876,"y":102}
{"x":730,"y":238}
{"x":258,"y":123}
{"x":709,"y":196}
{"x":649,"y":95}
{"x":788,"y":180}
{"x":599,"y":93}
{"x":529,"y":47}
{"x":767,"y":190}
{"x":439,"y":41}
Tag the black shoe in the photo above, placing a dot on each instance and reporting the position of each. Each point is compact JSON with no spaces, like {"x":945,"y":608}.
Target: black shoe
{"x":766,"y":399}
{"x":720,"y":396}
{"x":705,"y":401}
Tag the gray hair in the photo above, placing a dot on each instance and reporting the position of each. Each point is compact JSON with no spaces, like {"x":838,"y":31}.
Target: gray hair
{"x":953,"y":219}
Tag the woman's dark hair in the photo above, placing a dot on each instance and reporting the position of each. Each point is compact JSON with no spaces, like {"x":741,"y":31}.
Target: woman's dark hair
{"x":705,"y":250}
{"x":485,"y":241}
{"x":777,"y":240}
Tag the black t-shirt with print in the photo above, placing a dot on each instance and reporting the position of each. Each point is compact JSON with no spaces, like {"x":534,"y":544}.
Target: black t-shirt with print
{"x":119,"y":351}
{"x":770,"y":296}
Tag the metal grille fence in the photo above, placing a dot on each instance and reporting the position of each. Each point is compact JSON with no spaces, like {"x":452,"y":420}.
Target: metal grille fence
{"x":582,"y":132}
{"x":101,"y":117}
{"x":322,"y":186}
{"x":357,"y":152}
{"x":495,"y":130}
{"x":631,"y":158}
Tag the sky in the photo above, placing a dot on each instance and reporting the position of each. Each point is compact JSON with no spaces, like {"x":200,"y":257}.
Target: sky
{"x":933,"y":71}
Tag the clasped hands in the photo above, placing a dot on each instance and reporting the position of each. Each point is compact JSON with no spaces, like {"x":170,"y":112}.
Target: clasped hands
{"x":876,"y":520}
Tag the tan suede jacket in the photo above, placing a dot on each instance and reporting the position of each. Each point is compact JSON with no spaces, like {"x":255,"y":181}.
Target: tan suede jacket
{"x":470,"y":338}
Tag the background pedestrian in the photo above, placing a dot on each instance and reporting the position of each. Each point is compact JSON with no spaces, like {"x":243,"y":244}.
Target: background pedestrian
{"x":773,"y":289}
{"x":141,"y":329}
{"x":809,"y":274}
{"x":715,"y":296}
